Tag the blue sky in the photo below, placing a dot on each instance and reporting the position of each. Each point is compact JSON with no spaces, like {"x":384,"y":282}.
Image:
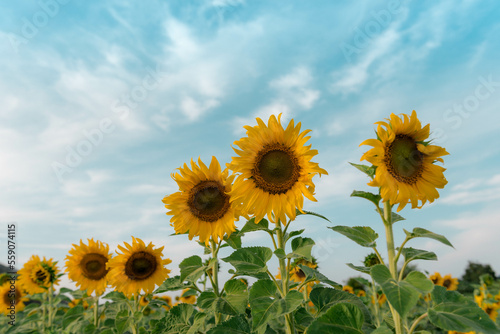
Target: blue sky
{"x":141,"y":88}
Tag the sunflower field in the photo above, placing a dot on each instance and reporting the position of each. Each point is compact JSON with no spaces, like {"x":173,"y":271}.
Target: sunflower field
{"x":262,"y":190}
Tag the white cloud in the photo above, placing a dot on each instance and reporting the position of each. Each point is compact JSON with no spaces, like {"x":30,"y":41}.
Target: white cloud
{"x":475,"y":191}
{"x":476,"y":240}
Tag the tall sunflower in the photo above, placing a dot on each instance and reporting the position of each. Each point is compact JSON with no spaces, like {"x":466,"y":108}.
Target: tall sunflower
{"x":11,"y":298}
{"x":203,"y":206}
{"x":86,"y":265}
{"x":406,"y":170}
{"x":138,"y":267}
{"x":37,"y":275}
{"x":275,"y":170}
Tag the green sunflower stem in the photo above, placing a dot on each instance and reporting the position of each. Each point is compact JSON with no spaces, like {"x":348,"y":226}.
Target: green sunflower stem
{"x":284,"y":269}
{"x":215,"y":275}
{"x":49,"y":307}
{"x":392,"y":260}
{"x":96,"y":306}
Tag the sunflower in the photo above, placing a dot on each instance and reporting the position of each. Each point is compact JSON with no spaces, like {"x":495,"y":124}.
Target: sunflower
{"x":203,"y":206}
{"x":450,"y":283}
{"x":86,"y":265}
{"x":37,"y":275}
{"x":406,"y":170}
{"x":436,"y":278}
{"x":296,"y":274}
{"x":491,"y":310}
{"x":187,"y":297}
{"x":138,"y":267}
{"x":348,"y":288}
{"x":79,"y":301}
{"x":11,"y":298}
{"x":275,"y":171}
{"x":167,"y":300}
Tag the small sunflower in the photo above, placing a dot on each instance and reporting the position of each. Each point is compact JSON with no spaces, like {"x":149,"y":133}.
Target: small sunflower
{"x":167,"y":300}
{"x":86,"y":265}
{"x":436,"y":278}
{"x":449,"y":282}
{"x":37,"y":275}
{"x":491,"y":310}
{"x":296,"y":274}
{"x":187,"y":297}
{"x":11,"y":298}
{"x":203,"y":206}
{"x":348,"y":288}
{"x":275,"y":170}
{"x":361,"y":293}
{"x":78,"y":301}
{"x":144,"y":301}
{"x":138,"y":267}
{"x":406,"y":170}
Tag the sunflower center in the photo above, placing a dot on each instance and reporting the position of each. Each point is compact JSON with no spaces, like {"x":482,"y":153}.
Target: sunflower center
{"x":8,"y":297}
{"x":140,"y":266}
{"x":93,"y":266}
{"x":447,"y":283}
{"x":208,"y":201}
{"x":41,"y":275}
{"x":276,"y":169}
{"x":403,"y":159}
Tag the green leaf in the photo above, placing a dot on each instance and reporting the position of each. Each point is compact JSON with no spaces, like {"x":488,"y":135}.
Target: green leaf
{"x":374,"y":198}
{"x":302,"y":317}
{"x":206,"y":300}
{"x":304,"y":212}
{"x":191,"y":268}
{"x":363,"y":269}
{"x":395,"y":217}
{"x":122,"y":321}
{"x":412,"y":254}
{"x":293,"y":234}
{"x":423,"y":233}
{"x":280,"y":253}
{"x":250,"y":259}
{"x":368,"y":170}
{"x":234,"y":240}
{"x":419,"y":282}
{"x":314,"y":275}
{"x":454,"y":312}
{"x":235,"y":325}
{"x":236,"y":295}
{"x":72,"y":315}
{"x":171,"y":284}
{"x":178,"y":320}
{"x":301,"y":247}
{"x":383,"y":330}
{"x":116,"y":296}
{"x":251,"y":226}
{"x":266,"y":304}
{"x":363,"y":235}
{"x":324,"y":298}
{"x":339,"y":319}
{"x":402,"y":295}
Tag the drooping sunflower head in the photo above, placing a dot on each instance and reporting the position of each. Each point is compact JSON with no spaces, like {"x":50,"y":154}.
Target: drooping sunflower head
{"x":86,"y":265}
{"x":275,"y":170}
{"x":405,"y":162}
{"x":203,"y":205}
{"x":491,"y":310}
{"x":188,"y":296}
{"x":37,"y":275}
{"x":449,"y":282}
{"x":11,"y":295}
{"x":138,"y":267}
